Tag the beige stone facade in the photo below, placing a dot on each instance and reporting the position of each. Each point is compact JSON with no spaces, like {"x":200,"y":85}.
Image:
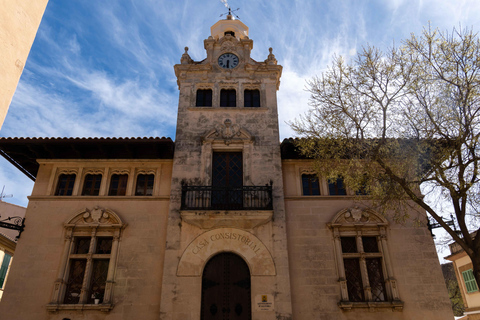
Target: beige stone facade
{"x":228,"y":192}
{"x":468,"y":287}
{"x":19,"y":21}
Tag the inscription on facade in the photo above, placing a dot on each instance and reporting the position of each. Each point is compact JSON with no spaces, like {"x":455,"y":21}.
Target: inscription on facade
{"x":231,"y":236}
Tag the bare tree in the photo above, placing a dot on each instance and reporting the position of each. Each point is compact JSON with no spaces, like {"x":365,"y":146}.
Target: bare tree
{"x":397,"y":120}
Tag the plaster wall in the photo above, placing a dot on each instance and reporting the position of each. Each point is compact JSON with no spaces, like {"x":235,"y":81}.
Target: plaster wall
{"x":19,"y":21}
{"x":313,"y":270}
{"x":138,"y":276}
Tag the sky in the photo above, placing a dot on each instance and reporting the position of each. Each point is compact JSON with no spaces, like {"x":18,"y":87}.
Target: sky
{"x":105,"y":68}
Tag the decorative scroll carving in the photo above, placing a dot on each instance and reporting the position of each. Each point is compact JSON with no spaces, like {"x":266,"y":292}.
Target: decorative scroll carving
{"x":68,"y":171}
{"x":120,"y":171}
{"x":356,"y":215}
{"x":229,"y":133}
{"x":97,"y":216}
{"x":93,"y":171}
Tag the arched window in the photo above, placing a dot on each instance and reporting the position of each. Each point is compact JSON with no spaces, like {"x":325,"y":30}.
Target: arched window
{"x":65,"y":184}
{"x":228,"y":98}
{"x":204,"y":98}
{"x":226,"y":288}
{"x":252,"y":98}
{"x":310,"y":185}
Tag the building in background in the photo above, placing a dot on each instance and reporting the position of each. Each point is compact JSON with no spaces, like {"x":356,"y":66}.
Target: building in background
{"x":19,"y":21}
{"x":466,"y":281}
{"x":8,"y":240}
{"x":223,"y":223}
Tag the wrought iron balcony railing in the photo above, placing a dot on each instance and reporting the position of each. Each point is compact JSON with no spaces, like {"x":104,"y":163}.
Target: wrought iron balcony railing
{"x":227,"y":198}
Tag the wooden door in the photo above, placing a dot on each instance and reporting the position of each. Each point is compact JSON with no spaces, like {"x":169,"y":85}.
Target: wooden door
{"x":227,"y":180}
{"x":226,"y":289}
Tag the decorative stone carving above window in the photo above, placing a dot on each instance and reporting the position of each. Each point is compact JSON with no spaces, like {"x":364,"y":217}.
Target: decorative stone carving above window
{"x":228,"y":132}
{"x":67,"y":171}
{"x":120,"y":171}
{"x":93,"y":171}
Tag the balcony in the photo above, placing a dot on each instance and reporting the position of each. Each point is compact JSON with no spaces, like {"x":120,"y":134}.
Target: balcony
{"x":227,"y":198}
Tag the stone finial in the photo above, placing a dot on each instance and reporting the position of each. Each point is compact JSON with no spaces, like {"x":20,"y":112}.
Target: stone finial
{"x":271,"y":57}
{"x":186,"y":58}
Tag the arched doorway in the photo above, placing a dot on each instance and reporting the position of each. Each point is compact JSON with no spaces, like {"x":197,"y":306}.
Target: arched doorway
{"x":226,"y":289}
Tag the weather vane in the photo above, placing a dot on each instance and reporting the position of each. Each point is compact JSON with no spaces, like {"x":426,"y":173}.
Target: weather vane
{"x":3,"y":195}
{"x":230,"y":11}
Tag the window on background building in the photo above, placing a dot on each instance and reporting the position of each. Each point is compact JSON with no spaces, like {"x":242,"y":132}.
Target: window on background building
{"x":118,"y":185}
{"x":4,"y":269}
{"x":228,"y":98}
{"x":91,"y":185}
{"x":252,"y":98}
{"x":144,"y":186}
{"x":336,"y":187}
{"x":469,"y":280}
{"x":204,"y":98}
{"x":310,"y":185}
{"x":65,"y":185}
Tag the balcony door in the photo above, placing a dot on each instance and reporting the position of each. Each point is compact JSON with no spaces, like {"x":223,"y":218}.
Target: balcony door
{"x":226,"y":289}
{"x":227,"y":180}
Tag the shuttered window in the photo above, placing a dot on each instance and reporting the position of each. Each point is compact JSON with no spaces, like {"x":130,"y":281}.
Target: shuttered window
{"x":470,"y":282}
{"x":4,"y":268}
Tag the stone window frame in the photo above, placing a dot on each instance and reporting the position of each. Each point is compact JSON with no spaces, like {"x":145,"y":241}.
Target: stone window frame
{"x":66,"y":171}
{"x":93,"y":171}
{"x":357,"y":222}
{"x":145,"y":171}
{"x":251,"y":86}
{"x":205,"y":86}
{"x":309,"y":174}
{"x":119,"y":171}
{"x":219,"y":139}
{"x":237,"y":102}
{"x":211,"y":98}
{"x":93,"y":223}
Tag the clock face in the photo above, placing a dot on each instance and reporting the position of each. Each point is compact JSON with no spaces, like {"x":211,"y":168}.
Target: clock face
{"x":228,"y":61}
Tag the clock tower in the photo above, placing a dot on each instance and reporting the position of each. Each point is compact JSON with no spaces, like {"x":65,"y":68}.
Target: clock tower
{"x":226,"y":252}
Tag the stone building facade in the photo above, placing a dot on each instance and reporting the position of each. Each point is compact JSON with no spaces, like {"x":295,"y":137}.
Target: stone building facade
{"x":223,"y":223}
{"x":462,"y":264}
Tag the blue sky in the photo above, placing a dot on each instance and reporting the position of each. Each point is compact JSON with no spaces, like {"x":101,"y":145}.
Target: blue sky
{"x":105,"y":68}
